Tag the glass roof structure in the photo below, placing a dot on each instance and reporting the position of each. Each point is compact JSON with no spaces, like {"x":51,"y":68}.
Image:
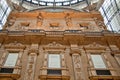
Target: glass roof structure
{"x":54,"y":2}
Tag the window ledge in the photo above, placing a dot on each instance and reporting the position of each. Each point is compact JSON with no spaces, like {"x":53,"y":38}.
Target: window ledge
{"x":10,"y":76}
{"x":104,"y":77}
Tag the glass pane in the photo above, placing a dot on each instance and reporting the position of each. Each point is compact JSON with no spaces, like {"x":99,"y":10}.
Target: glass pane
{"x":54,"y":61}
{"x":4,"y":12}
{"x":98,"y":61}
{"x":11,"y":59}
{"x":54,"y":0}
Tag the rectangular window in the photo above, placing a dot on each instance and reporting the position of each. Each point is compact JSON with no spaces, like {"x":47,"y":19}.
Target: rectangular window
{"x":98,"y":61}
{"x":11,"y":59}
{"x":54,"y":61}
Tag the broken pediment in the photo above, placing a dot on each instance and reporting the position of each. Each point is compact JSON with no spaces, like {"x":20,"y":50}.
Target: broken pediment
{"x":54,"y":45}
{"x":94,"y":46}
{"x":14,"y":45}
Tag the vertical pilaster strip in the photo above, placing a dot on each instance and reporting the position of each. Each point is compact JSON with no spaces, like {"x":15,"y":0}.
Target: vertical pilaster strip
{"x":117,"y":57}
{"x":64,"y":71}
{"x":29,"y":75}
{"x":31,"y":62}
{"x":18,"y":64}
{"x":43,"y":71}
{"x":77,"y":66}
{"x":2,"y":60}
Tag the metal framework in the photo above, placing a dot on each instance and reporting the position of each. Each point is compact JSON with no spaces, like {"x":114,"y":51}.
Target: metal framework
{"x":54,"y":2}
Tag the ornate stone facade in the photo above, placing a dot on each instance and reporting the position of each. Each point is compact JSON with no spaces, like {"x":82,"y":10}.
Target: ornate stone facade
{"x":75,"y":36}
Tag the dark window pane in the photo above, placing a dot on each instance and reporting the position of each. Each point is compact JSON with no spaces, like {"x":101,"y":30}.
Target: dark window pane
{"x":103,"y":72}
{"x":105,"y":79}
{"x":6,"y":70}
{"x":54,"y":72}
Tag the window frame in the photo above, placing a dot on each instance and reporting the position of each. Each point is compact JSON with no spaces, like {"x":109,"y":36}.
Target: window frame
{"x":104,"y":62}
{"x":6,"y":58}
{"x":59,"y":61}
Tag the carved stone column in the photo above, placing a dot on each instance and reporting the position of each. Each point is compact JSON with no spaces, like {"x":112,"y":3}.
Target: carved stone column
{"x":30,"y":71}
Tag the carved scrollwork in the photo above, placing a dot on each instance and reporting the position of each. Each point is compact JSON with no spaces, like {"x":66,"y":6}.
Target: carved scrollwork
{"x":100,"y":24}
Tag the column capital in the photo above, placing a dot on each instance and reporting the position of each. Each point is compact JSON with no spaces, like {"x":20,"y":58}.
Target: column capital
{"x":33,"y":51}
{"x":75,"y":51}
